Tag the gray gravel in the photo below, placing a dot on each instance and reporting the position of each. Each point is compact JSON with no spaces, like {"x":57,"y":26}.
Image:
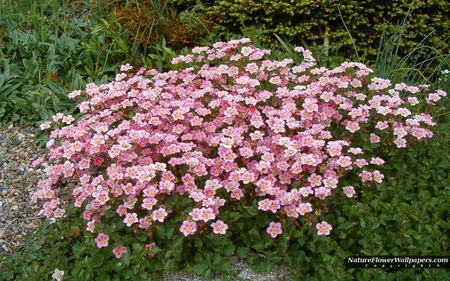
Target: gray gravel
{"x":18,"y":180}
{"x":246,"y":273}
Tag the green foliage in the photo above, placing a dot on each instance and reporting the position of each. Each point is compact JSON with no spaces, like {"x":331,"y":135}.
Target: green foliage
{"x":57,"y":54}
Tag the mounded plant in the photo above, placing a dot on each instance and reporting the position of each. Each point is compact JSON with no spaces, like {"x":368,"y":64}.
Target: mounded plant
{"x":229,"y":153}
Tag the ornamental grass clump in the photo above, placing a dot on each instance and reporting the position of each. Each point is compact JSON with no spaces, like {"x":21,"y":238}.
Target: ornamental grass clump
{"x":181,"y":150}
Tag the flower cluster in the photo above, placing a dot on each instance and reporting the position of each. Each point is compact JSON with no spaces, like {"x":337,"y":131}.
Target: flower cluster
{"x":229,"y":124}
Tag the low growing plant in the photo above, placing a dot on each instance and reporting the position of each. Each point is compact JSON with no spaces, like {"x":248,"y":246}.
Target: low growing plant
{"x":231,"y":152}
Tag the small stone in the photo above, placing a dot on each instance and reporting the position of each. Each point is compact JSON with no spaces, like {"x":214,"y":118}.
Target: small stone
{"x":30,"y":225}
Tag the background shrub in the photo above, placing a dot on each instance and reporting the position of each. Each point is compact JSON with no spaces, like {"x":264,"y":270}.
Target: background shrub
{"x":150,"y":21}
{"x":316,"y":22}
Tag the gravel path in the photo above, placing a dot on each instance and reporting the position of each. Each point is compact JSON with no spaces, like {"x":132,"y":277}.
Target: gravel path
{"x":19,"y":217}
{"x":18,"y":180}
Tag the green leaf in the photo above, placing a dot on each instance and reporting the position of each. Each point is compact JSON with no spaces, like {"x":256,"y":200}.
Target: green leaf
{"x":375,"y":226}
{"x":15,"y":117}
{"x":235,"y":215}
{"x":252,"y":210}
{"x":363,"y":224}
{"x":43,"y":114}
{"x":259,"y":245}
{"x":301,"y":240}
{"x":137,"y":247}
{"x":78,"y":249}
{"x":169,"y":265}
{"x":221,"y":264}
{"x":161,"y":231}
{"x":142,"y":236}
{"x":275,"y":258}
{"x":127,"y":258}
{"x":257,"y":263}
{"x":243,"y":252}
{"x":155,"y":250}
{"x":10,"y":88}
{"x":103,"y":276}
{"x":254,"y":232}
{"x":97,"y":260}
{"x":297,"y":234}
{"x":178,"y":241}
{"x":127,"y":273}
{"x":395,"y":251}
{"x":169,"y":230}
{"x":229,"y":249}
{"x":109,"y":213}
{"x":199,"y":268}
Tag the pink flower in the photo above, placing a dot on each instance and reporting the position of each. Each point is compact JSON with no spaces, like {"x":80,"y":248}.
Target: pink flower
{"x":119,"y":251}
{"x":315,"y":180}
{"x":322,"y":192}
{"x":400,"y":142}
{"x":37,"y":162}
{"x":349,"y":191}
{"x":159,"y":215}
{"x":50,"y":144}
{"x":377,"y":176}
{"x":361,"y":162}
{"x":381,"y":125}
{"x":207,"y":214}
{"x":130,"y":218}
{"x":352,"y":126}
{"x":377,"y":161}
{"x":365,"y":176}
{"x":323,"y":228}
{"x":237,"y":193}
{"x":188,"y":228}
{"x":219,"y":227}
{"x":374,"y":138}
{"x":304,"y":208}
{"x":149,"y":247}
{"x":291,"y":211}
{"x":102,"y":240}
{"x":274,"y":229}
{"x":334,"y":149}
{"x":90,"y":226}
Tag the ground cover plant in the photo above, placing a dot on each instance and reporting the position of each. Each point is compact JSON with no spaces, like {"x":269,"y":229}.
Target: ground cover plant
{"x":166,"y":165}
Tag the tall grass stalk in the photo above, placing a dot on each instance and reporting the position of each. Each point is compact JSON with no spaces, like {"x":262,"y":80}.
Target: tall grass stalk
{"x":423,"y":70}
{"x":423,"y":65}
{"x":348,"y":32}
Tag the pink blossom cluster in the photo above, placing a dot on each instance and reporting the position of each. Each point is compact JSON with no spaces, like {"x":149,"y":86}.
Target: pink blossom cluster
{"x":230,"y":121}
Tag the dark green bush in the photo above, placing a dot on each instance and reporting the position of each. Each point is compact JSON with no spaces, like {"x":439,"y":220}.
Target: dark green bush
{"x":318,"y":22}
